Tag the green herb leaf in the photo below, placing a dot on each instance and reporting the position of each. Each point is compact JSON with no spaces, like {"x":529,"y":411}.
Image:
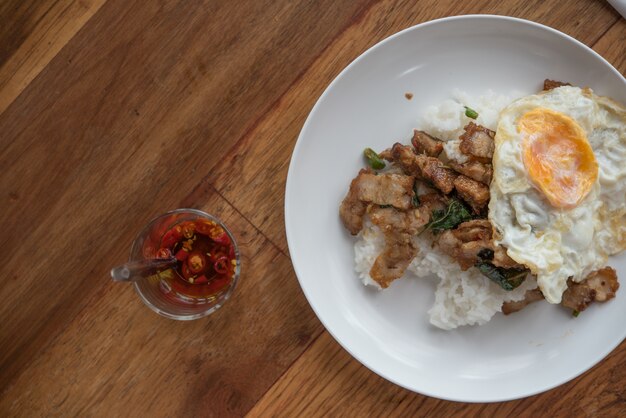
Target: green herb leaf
{"x":575,"y":314}
{"x":455,"y":214}
{"x":470,"y":113}
{"x":415,"y":200}
{"x":373,"y":159}
{"x":508,"y":279}
{"x":385,"y":206}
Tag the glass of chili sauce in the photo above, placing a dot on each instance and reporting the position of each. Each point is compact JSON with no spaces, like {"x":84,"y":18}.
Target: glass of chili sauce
{"x":207,"y":264}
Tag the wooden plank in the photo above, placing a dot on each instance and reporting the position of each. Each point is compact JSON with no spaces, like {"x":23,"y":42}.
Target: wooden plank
{"x":265,"y":152}
{"x":612,"y":46}
{"x":118,"y":358}
{"x":121,"y":125}
{"x":327,"y":381}
{"x":32,"y":34}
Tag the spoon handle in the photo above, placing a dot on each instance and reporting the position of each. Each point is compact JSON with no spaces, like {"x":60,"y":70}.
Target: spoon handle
{"x":135,"y":270}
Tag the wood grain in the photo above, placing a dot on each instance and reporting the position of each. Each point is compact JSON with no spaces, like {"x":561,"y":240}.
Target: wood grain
{"x":130,"y":118}
{"x":327,"y":381}
{"x":112,"y":112}
{"x":34,"y":33}
{"x":120,"y":359}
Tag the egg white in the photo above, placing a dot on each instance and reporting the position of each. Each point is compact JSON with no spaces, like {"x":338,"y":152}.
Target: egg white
{"x":560,"y":243}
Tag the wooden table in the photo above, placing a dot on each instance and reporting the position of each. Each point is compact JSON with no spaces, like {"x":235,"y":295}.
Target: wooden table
{"x":114,"y":111}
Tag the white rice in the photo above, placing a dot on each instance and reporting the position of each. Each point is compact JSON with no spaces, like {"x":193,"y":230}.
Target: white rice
{"x":462,"y":297}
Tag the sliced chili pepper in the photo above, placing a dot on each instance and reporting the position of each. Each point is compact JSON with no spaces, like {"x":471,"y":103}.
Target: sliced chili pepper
{"x":205,"y":227}
{"x":163,"y":253}
{"x":188,"y":229}
{"x":196,"y":262}
{"x":182,"y":254}
{"x":186,"y":272}
{"x":171,"y":237}
{"x":201,"y":280}
{"x":222,"y":239}
{"x":221,"y":265}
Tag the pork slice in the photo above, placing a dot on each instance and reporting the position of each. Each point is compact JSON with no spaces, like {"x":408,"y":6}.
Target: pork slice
{"x":552,"y":84}
{"x":352,"y":208}
{"x":426,"y":144}
{"x":386,"y":189}
{"x":475,"y":170}
{"x":477,"y":142}
{"x":476,"y":194}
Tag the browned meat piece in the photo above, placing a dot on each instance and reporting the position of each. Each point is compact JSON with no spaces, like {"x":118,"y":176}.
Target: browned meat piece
{"x":398,"y":228}
{"x":604,"y":282}
{"x":393,"y":220}
{"x":467,"y":240}
{"x":598,"y":286}
{"x":386,"y":189}
{"x":552,"y":84}
{"x":423,"y":166}
{"x":474,"y":170}
{"x":577,"y":296}
{"x":426,"y":144}
{"x":477,"y":142}
{"x":474,"y":230}
{"x":529,"y":297}
{"x":404,"y":156}
{"x":473,"y":192}
{"x":352,"y":209}
{"x":433,"y":201}
{"x":434,"y":171}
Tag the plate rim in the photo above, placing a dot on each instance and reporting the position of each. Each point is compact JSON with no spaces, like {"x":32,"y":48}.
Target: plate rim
{"x":289,"y":186}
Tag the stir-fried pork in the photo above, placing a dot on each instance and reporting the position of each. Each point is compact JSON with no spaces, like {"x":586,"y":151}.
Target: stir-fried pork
{"x":426,"y":144}
{"x":530,"y":296}
{"x":477,"y":142}
{"x":352,"y":209}
{"x":386,"y":189}
{"x":465,"y":242}
{"x":598,"y":286}
{"x":473,"y":192}
{"x":423,"y":166}
{"x":381,"y":189}
{"x":474,"y":170}
{"x":399,"y":229}
{"x":552,"y":84}
{"x":434,"y":171}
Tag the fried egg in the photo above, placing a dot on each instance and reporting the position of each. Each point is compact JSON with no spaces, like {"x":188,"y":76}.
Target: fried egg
{"x":558,"y":194}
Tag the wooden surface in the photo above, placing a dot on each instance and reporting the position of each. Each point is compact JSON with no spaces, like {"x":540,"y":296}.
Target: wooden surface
{"x":112,"y":112}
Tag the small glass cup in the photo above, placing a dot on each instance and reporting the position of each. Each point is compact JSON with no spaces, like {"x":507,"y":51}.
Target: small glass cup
{"x":168,"y":294}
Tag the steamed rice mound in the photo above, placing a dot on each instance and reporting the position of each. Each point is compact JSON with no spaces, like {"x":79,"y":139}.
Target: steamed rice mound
{"x":462,"y":297}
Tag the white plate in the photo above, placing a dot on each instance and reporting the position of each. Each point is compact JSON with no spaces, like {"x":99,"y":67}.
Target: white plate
{"x":510,"y":357}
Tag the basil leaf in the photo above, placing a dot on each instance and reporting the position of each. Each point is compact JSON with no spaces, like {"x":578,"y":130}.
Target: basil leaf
{"x":508,"y":279}
{"x":455,"y":214}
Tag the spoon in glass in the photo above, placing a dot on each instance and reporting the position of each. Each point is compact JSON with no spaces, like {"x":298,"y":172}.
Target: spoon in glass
{"x":135,"y":270}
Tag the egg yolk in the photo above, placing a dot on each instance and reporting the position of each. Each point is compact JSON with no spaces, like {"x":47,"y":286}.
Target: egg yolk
{"x":557,"y":156}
